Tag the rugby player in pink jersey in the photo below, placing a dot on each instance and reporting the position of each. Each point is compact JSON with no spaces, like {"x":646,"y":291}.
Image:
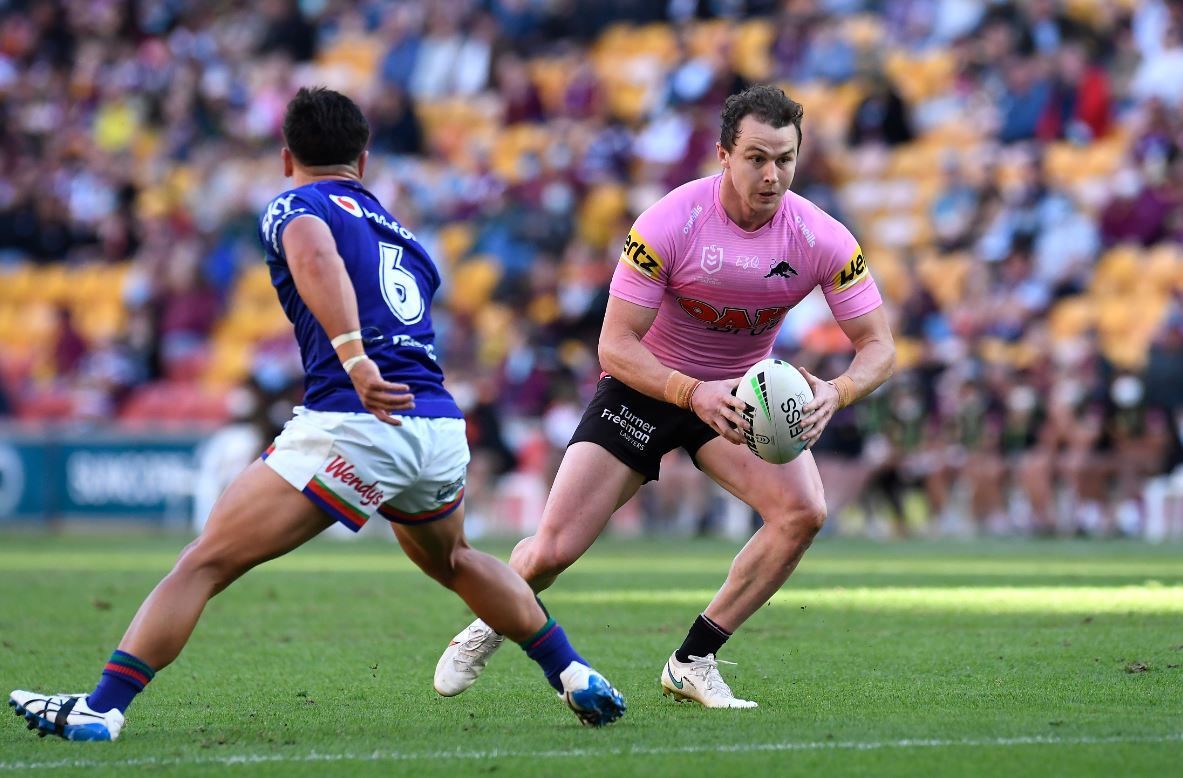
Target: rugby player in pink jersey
{"x":705,"y":279}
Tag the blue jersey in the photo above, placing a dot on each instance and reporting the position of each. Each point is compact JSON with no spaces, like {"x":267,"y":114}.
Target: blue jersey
{"x":394,"y":279}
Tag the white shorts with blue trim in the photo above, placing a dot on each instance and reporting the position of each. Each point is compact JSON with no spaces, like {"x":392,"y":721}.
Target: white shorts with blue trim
{"x":352,"y":466}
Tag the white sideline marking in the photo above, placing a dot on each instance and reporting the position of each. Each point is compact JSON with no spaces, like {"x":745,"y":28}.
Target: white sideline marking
{"x":399,"y":756}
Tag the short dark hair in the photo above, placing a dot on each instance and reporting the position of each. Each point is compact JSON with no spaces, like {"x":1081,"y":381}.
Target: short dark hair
{"x":323,"y":127}
{"x":769,"y":104}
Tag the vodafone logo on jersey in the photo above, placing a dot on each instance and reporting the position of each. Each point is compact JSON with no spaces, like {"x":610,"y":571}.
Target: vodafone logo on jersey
{"x":347,"y":204}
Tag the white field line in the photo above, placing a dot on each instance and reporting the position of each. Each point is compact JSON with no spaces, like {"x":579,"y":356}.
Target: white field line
{"x":413,"y":756}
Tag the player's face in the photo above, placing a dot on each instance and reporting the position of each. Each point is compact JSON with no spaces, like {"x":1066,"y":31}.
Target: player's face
{"x":762,"y":163}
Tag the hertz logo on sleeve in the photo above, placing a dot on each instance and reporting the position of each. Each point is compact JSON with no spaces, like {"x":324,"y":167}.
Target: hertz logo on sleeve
{"x":642,"y":258}
{"x":855,"y":271}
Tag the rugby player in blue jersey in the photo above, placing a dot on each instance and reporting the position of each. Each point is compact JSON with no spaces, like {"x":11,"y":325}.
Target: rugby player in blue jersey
{"x":377,"y":434}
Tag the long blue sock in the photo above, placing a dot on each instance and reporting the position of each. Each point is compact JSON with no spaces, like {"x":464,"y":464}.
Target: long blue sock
{"x":123,"y":678}
{"x":551,"y":650}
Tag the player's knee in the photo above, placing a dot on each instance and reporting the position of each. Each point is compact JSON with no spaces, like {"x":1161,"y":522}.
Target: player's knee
{"x":802,"y":520}
{"x":208,"y":560}
{"x":444,"y":567}
{"x":546,"y":559}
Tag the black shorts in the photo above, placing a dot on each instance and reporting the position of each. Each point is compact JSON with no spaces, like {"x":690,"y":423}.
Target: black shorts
{"x":637,"y":429}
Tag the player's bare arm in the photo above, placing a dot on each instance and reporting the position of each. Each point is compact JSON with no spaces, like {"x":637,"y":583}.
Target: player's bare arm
{"x":627,"y":359}
{"x":324,"y":285}
{"x":874,"y":360}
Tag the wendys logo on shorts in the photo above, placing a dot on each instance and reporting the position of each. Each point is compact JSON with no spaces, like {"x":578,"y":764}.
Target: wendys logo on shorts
{"x":347,"y":204}
{"x":342,"y":471}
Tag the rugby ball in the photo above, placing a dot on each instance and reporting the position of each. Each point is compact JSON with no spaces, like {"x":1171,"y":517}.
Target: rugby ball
{"x":774,"y":392}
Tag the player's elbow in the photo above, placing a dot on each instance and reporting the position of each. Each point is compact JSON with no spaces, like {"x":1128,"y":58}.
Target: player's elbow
{"x":610,"y":354}
{"x":310,"y":263}
{"x":889,"y":360}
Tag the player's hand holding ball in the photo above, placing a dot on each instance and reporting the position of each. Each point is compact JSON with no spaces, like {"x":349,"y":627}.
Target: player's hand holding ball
{"x":716,"y":404}
{"x":379,"y":396}
{"x":818,"y":412}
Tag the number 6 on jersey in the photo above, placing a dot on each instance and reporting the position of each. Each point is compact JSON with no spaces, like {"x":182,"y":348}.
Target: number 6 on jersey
{"x":399,"y":288}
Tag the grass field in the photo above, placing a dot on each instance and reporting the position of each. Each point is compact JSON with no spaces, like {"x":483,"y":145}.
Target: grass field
{"x":999,"y":658}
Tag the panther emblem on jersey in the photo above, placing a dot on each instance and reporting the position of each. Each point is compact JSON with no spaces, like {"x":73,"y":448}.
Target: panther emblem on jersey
{"x":782,"y":269}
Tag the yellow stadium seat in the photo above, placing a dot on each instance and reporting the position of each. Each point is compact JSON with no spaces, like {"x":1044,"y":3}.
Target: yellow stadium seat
{"x":472,"y":282}
{"x":455,"y":239}
{"x":99,"y":323}
{"x":53,"y":283}
{"x":911,"y":160}
{"x":907,"y":352}
{"x":359,"y":54}
{"x":599,"y":213}
{"x":1118,"y":271}
{"x":1160,"y":268}
{"x":944,"y":277}
{"x":1071,"y":317}
{"x":751,"y":52}
{"x":498,"y":322}
{"x":229,"y":364}
{"x":550,"y":76}
{"x":705,"y":38}
{"x":16,"y":283}
{"x":863,"y":31}
{"x":890,"y":274}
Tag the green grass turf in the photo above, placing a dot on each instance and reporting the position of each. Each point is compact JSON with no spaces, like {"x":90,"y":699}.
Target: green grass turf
{"x":992,"y":658}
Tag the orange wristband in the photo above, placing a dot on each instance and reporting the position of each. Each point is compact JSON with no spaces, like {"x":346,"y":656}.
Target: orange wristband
{"x":679,"y":387}
{"x":844,"y":385}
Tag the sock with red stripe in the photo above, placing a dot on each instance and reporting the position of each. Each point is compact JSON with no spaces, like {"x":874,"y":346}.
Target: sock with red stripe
{"x":550,"y":649}
{"x":123,"y":678}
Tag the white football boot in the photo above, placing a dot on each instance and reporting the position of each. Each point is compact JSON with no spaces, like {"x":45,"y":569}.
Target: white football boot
{"x":699,"y":681}
{"x":595,"y":701}
{"x":465,"y":658}
{"x":65,"y":715}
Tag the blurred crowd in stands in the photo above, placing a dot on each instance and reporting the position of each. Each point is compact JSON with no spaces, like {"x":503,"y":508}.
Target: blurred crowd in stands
{"x":1012,"y":170}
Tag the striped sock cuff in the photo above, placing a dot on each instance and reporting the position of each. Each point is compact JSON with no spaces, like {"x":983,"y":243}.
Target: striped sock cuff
{"x":534,"y":640}
{"x":715,"y":626}
{"x":129,"y":667}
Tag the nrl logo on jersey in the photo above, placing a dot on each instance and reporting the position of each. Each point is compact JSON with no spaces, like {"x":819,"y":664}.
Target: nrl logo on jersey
{"x":712,"y":259}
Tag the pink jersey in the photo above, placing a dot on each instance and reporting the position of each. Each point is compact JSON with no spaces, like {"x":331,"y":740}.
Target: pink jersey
{"x":722,"y":293}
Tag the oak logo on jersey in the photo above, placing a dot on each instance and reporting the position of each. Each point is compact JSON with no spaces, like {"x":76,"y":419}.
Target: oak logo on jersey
{"x":712,"y":259}
{"x":638,"y":254}
{"x":733,"y":319}
{"x":855,"y":271}
{"x":347,"y":204}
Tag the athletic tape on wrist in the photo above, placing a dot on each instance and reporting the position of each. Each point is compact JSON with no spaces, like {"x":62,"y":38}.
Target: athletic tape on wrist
{"x":352,"y":362}
{"x":844,"y":385}
{"x":679,"y":387}
{"x":344,"y":338}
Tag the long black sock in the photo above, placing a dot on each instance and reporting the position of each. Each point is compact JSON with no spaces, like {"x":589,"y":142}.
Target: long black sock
{"x":705,"y":637}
